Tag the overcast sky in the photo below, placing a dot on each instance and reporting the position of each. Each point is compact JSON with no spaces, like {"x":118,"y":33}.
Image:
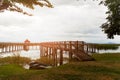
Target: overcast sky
{"x":68,"y":20}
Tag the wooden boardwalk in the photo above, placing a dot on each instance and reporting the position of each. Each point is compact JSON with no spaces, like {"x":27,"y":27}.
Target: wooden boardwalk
{"x":54,"y":50}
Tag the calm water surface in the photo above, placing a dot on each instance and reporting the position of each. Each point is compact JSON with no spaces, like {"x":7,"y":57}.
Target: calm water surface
{"x":35,"y":54}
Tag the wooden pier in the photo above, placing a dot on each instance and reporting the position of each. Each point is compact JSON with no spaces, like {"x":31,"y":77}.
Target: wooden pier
{"x":53,"y":50}
{"x":77,"y":49}
{"x":10,"y":47}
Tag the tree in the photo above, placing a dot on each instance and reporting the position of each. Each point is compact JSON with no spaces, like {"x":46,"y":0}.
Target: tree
{"x":12,"y":5}
{"x":112,"y":26}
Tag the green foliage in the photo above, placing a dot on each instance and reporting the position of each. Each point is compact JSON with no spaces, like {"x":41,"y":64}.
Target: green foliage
{"x":16,"y":59}
{"x":106,"y":46}
{"x":12,"y":5}
{"x":112,"y":26}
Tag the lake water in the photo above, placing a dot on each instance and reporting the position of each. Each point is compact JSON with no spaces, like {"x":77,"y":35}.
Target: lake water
{"x":35,"y":54}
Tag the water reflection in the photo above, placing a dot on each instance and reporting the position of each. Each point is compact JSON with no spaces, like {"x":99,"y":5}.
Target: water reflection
{"x":33,"y":54}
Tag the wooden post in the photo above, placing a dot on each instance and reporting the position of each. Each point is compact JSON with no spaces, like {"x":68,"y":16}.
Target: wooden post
{"x":9,"y":48}
{"x":12,"y":48}
{"x":61,"y":57}
{"x":41,"y":51}
{"x":70,"y":51}
{"x":5,"y":48}
{"x":77,"y":47}
{"x":83,"y":47}
{"x":65,"y":45}
{"x":46,"y":52}
{"x":55,"y":57}
{"x":16,"y":47}
{"x":50,"y":53}
{"x":86,"y":48}
{"x":2,"y":49}
{"x":92,"y":48}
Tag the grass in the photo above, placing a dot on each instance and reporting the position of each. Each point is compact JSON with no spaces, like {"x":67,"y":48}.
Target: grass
{"x":106,"y":67}
{"x":107,"y":57}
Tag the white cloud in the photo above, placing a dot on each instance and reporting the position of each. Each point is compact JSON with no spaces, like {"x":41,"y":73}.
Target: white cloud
{"x":68,"y":20}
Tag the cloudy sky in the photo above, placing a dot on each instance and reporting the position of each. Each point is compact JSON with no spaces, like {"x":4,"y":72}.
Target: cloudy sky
{"x":68,"y":20}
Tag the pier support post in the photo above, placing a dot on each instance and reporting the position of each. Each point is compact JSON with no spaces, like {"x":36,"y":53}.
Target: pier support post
{"x":61,"y":57}
{"x":9,"y":48}
{"x":70,"y":51}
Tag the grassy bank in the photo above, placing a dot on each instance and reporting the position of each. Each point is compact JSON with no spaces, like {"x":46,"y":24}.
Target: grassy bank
{"x":106,"y":67}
